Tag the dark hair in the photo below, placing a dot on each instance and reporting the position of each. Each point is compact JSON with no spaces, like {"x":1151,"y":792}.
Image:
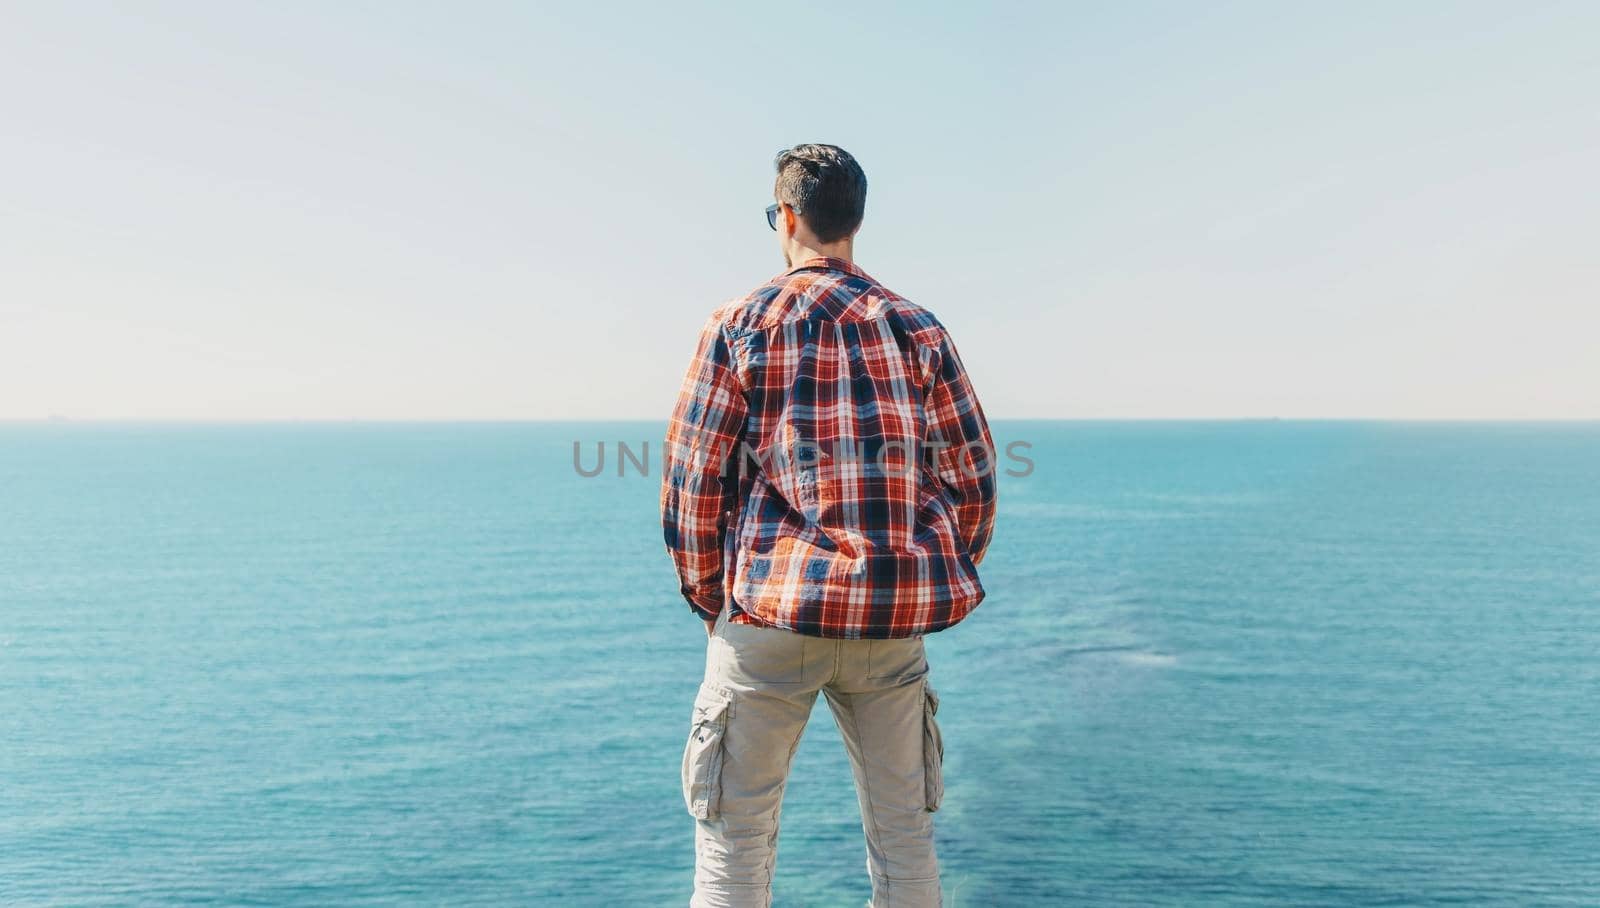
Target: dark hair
{"x":825,"y":185}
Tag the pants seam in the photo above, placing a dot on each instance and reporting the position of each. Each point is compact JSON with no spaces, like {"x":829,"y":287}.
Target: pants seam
{"x":777,"y":809}
{"x":866,"y":790}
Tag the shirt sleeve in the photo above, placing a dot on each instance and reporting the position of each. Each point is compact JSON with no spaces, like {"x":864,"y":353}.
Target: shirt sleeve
{"x":703,"y":435}
{"x":966,"y":462}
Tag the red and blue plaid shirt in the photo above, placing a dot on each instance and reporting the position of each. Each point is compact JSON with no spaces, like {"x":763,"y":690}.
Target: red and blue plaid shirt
{"x":828,"y":468}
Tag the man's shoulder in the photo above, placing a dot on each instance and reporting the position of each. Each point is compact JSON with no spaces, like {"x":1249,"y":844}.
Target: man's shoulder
{"x":746,"y":309}
{"x":916,"y":318}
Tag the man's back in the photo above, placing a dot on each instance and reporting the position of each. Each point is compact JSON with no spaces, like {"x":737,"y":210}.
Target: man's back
{"x":864,"y":495}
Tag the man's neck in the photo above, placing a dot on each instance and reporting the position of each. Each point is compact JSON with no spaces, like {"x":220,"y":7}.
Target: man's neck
{"x":844,"y":249}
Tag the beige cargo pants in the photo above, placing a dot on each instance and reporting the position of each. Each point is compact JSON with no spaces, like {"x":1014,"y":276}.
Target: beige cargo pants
{"x":759,"y":687}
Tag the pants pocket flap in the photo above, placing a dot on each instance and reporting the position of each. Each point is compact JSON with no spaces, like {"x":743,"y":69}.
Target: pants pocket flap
{"x":702,"y":755}
{"x":932,"y":749}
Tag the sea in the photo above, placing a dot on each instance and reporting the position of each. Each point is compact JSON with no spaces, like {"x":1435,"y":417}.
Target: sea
{"x":1259,"y":663}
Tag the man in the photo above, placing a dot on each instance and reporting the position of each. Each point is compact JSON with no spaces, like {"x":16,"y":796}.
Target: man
{"x":828,"y":491}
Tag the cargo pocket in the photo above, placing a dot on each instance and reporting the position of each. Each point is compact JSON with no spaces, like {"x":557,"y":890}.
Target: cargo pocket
{"x":932,"y":749}
{"x":702,"y":756}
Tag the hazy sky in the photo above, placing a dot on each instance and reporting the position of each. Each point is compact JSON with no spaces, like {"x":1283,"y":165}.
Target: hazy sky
{"x":485,"y":211}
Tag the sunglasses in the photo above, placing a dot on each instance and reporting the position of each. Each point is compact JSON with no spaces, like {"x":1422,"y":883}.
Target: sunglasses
{"x":772,"y":216}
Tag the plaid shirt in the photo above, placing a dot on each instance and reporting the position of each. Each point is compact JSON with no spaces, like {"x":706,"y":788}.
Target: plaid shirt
{"x":828,"y":468}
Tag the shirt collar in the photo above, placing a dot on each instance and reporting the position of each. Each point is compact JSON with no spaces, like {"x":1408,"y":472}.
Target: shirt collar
{"x":829,"y":263}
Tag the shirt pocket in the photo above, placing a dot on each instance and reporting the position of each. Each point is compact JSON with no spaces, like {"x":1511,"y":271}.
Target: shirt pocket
{"x":932,"y":750}
{"x":702,"y":755}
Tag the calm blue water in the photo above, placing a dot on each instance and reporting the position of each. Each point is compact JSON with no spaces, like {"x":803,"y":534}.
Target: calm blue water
{"x":1220,"y":664}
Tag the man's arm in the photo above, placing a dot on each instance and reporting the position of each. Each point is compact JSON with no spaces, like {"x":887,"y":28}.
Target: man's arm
{"x":707,"y":425}
{"x":967,"y":461}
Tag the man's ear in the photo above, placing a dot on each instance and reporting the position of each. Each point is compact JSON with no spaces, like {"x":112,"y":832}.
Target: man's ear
{"x":789,"y":218}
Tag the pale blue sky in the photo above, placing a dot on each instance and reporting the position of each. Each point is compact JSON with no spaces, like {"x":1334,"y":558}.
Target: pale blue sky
{"x":512,"y":211}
